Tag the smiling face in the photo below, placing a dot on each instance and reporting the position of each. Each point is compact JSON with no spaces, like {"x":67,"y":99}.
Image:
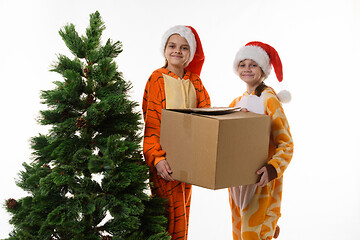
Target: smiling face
{"x":251,"y":73}
{"x":177,"y":52}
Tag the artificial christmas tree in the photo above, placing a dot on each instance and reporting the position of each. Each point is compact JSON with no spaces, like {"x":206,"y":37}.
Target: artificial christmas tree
{"x":90,"y":162}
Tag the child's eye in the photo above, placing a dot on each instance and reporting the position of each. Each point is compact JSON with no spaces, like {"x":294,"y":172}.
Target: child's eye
{"x":185,"y":48}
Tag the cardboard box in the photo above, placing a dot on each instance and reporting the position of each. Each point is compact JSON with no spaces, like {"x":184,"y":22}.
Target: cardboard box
{"x":215,"y":151}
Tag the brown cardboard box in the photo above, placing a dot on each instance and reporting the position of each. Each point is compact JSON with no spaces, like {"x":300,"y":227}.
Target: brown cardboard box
{"x":215,"y":151}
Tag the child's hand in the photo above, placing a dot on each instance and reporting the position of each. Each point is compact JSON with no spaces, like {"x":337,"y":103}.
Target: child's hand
{"x":264,"y":179}
{"x":163,"y":170}
{"x":244,"y":110}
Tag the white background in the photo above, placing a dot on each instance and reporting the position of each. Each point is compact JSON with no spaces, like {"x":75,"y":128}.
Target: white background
{"x":318,"y":42}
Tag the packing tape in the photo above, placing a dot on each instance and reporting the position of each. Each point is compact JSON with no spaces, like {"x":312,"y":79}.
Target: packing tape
{"x":187,"y":124}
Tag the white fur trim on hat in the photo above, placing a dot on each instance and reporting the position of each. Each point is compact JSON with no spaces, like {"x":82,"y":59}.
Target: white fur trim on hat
{"x":256,"y":54}
{"x":183,"y":31}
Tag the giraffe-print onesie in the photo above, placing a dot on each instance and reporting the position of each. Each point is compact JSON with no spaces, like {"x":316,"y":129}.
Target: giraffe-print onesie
{"x":256,"y":210}
{"x":165,"y":89}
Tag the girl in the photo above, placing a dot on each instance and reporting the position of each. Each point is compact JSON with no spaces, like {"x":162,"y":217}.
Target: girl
{"x":176,"y":85}
{"x":256,"y":208}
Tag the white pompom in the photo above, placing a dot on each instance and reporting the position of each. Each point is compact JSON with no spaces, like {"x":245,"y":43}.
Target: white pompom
{"x":284,"y":96}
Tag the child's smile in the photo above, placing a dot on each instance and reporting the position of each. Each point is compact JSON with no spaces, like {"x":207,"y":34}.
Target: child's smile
{"x":250,"y":72}
{"x":177,"y":51}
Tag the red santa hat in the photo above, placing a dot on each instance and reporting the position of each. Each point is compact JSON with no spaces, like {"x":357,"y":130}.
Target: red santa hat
{"x":197,"y":57}
{"x":264,"y":55}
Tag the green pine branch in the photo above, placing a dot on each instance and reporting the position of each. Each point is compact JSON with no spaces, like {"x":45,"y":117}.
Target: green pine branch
{"x":94,"y":131}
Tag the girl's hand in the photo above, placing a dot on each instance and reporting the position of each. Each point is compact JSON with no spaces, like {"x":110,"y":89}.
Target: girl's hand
{"x":264,"y":179}
{"x":163,"y":170}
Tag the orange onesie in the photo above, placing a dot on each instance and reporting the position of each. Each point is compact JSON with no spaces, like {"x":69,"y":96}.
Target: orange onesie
{"x":155,"y":99}
{"x":256,"y":210}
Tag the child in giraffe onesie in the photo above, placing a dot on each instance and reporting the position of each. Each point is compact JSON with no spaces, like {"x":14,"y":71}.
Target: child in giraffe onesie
{"x":176,"y":85}
{"x":256,"y":208}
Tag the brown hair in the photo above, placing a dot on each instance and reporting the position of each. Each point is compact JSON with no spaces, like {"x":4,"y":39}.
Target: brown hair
{"x":166,"y":63}
{"x":260,"y":88}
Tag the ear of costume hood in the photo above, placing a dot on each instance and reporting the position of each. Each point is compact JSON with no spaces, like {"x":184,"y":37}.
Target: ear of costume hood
{"x":196,"y":64}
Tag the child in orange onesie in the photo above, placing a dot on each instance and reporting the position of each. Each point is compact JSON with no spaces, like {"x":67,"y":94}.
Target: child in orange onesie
{"x":176,"y":85}
{"x":256,"y":207}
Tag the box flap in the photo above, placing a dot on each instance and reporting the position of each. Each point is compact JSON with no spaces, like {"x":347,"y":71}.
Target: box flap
{"x":208,"y":111}
{"x":190,"y":142}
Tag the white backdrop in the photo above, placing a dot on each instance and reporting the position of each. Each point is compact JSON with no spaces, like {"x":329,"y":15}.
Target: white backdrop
{"x":318,"y":42}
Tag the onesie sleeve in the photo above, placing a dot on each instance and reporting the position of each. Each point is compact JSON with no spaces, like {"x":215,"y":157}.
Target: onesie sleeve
{"x":153,"y":103}
{"x":235,"y":101}
{"x":281,"y":148}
